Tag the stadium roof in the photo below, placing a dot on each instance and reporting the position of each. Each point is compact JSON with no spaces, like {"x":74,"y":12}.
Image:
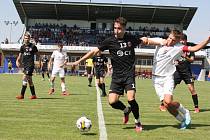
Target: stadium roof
{"x":57,"y":9}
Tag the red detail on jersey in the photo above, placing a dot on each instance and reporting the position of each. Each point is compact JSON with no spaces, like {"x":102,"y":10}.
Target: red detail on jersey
{"x":185,"y":49}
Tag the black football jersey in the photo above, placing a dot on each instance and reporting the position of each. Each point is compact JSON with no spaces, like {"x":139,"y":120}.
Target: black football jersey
{"x":99,"y":62}
{"x":45,"y":62}
{"x":28,"y":52}
{"x":184,"y":64}
{"x":122,"y":54}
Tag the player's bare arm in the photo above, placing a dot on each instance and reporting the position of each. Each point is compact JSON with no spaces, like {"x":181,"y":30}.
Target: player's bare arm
{"x":65,"y":63}
{"x":50,"y":63}
{"x":153,"y":41}
{"x":18,"y":62}
{"x":199,"y":46}
{"x":86,"y":56}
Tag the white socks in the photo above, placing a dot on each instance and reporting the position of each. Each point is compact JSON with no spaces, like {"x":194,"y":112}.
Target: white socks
{"x":180,"y":117}
{"x":182,"y":109}
{"x":63,"y":87}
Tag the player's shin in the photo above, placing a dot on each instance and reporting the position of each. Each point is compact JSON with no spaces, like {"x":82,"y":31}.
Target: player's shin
{"x":134,"y":108}
{"x":63,"y":87}
{"x":118,"y":105}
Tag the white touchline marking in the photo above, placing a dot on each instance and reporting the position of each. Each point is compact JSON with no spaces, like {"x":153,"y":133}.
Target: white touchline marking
{"x":101,"y":122}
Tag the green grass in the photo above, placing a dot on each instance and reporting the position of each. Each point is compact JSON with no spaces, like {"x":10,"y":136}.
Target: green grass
{"x":54,"y":117}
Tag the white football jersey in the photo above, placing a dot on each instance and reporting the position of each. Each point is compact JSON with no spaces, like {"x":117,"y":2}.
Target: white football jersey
{"x":164,"y":58}
{"x":59,"y":58}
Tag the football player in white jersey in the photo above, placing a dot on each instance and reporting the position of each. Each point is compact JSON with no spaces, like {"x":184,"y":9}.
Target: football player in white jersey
{"x":59,"y":59}
{"x":168,"y":50}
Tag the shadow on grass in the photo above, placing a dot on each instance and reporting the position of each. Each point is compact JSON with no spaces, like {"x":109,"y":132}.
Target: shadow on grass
{"x":88,"y":134}
{"x":152,"y":127}
{"x":49,"y":98}
{"x":202,"y":110}
{"x":76,"y":94}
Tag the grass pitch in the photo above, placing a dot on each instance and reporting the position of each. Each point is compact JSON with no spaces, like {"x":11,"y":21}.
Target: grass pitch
{"x":53,"y":117}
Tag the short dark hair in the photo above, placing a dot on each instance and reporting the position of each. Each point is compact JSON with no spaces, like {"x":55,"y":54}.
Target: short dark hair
{"x":176,"y":33}
{"x":60,"y":43}
{"x":184,"y":37}
{"x":121,"y":20}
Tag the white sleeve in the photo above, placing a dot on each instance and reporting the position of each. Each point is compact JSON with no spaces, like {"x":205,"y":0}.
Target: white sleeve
{"x":53,"y":54}
{"x":66,"y":56}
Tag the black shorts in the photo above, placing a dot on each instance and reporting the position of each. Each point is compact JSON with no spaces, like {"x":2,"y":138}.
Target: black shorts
{"x":119,"y":85}
{"x":9,"y":68}
{"x":185,"y":76}
{"x":28,"y":71}
{"x":89,"y":70}
{"x":44,"y":69}
{"x":99,"y":73}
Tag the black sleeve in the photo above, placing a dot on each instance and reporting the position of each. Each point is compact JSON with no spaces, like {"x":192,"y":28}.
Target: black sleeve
{"x":136,"y":41}
{"x":94,"y":59}
{"x":104,"y":45}
{"x":21,"y":49}
{"x":192,"y":54}
{"x":105,"y":59}
{"x":35,"y":49}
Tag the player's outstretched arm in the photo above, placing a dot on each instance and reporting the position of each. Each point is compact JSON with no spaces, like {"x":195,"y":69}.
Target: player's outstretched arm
{"x":153,"y":41}
{"x":199,"y":46}
{"x":64,"y":63}
{"x":86,"y":56}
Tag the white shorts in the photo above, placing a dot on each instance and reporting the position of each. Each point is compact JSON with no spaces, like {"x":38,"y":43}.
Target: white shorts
{"x":59,"y":71}
{"x":163,"y":85}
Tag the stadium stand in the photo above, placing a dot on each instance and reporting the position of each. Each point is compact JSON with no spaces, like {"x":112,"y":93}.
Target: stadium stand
{"x":83,"y":25}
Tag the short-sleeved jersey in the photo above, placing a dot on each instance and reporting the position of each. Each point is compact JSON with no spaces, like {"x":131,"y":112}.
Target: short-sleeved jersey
{"x":28,"y":52}
{"x":99,"y":62}
{"x":89,"y":62}
{"x":44,"y":62}
{"x":122,"y":54}
{"x":59,"y":58}
{"x":164,"y":59}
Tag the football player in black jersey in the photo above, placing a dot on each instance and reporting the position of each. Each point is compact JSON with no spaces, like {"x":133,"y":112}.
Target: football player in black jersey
{"x":100,"y":61}
{"x":121,"y":48}
{"x":183,"y":72}
{"x":26,"y":59}
{"x":44,"y":67}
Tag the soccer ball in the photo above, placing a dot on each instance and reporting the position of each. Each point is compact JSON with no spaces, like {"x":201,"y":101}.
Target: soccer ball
{"x":83,"y":124}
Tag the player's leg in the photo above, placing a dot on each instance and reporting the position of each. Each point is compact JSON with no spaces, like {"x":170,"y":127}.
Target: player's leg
{"x":131,"y":90}
{"x":31,"y":85}
{"x":90,"y":78}
{"x":52,"y":80}
{"x":135,"y":109}
{"x":98,"y":80}
{"x":48,"y":75}
{"x":115,"y":91}
{"x":103,"y":86}
{"x":43,"y":71}
{"x":30,"y":82}
{"x":23,"y":89}
{"x":194,"y":97}
{"x":179,"y":112}
{"x":175,"y":108}
{"x":63,"y":86}
{"x":190,"y":83}
{"x":160,"y":92}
